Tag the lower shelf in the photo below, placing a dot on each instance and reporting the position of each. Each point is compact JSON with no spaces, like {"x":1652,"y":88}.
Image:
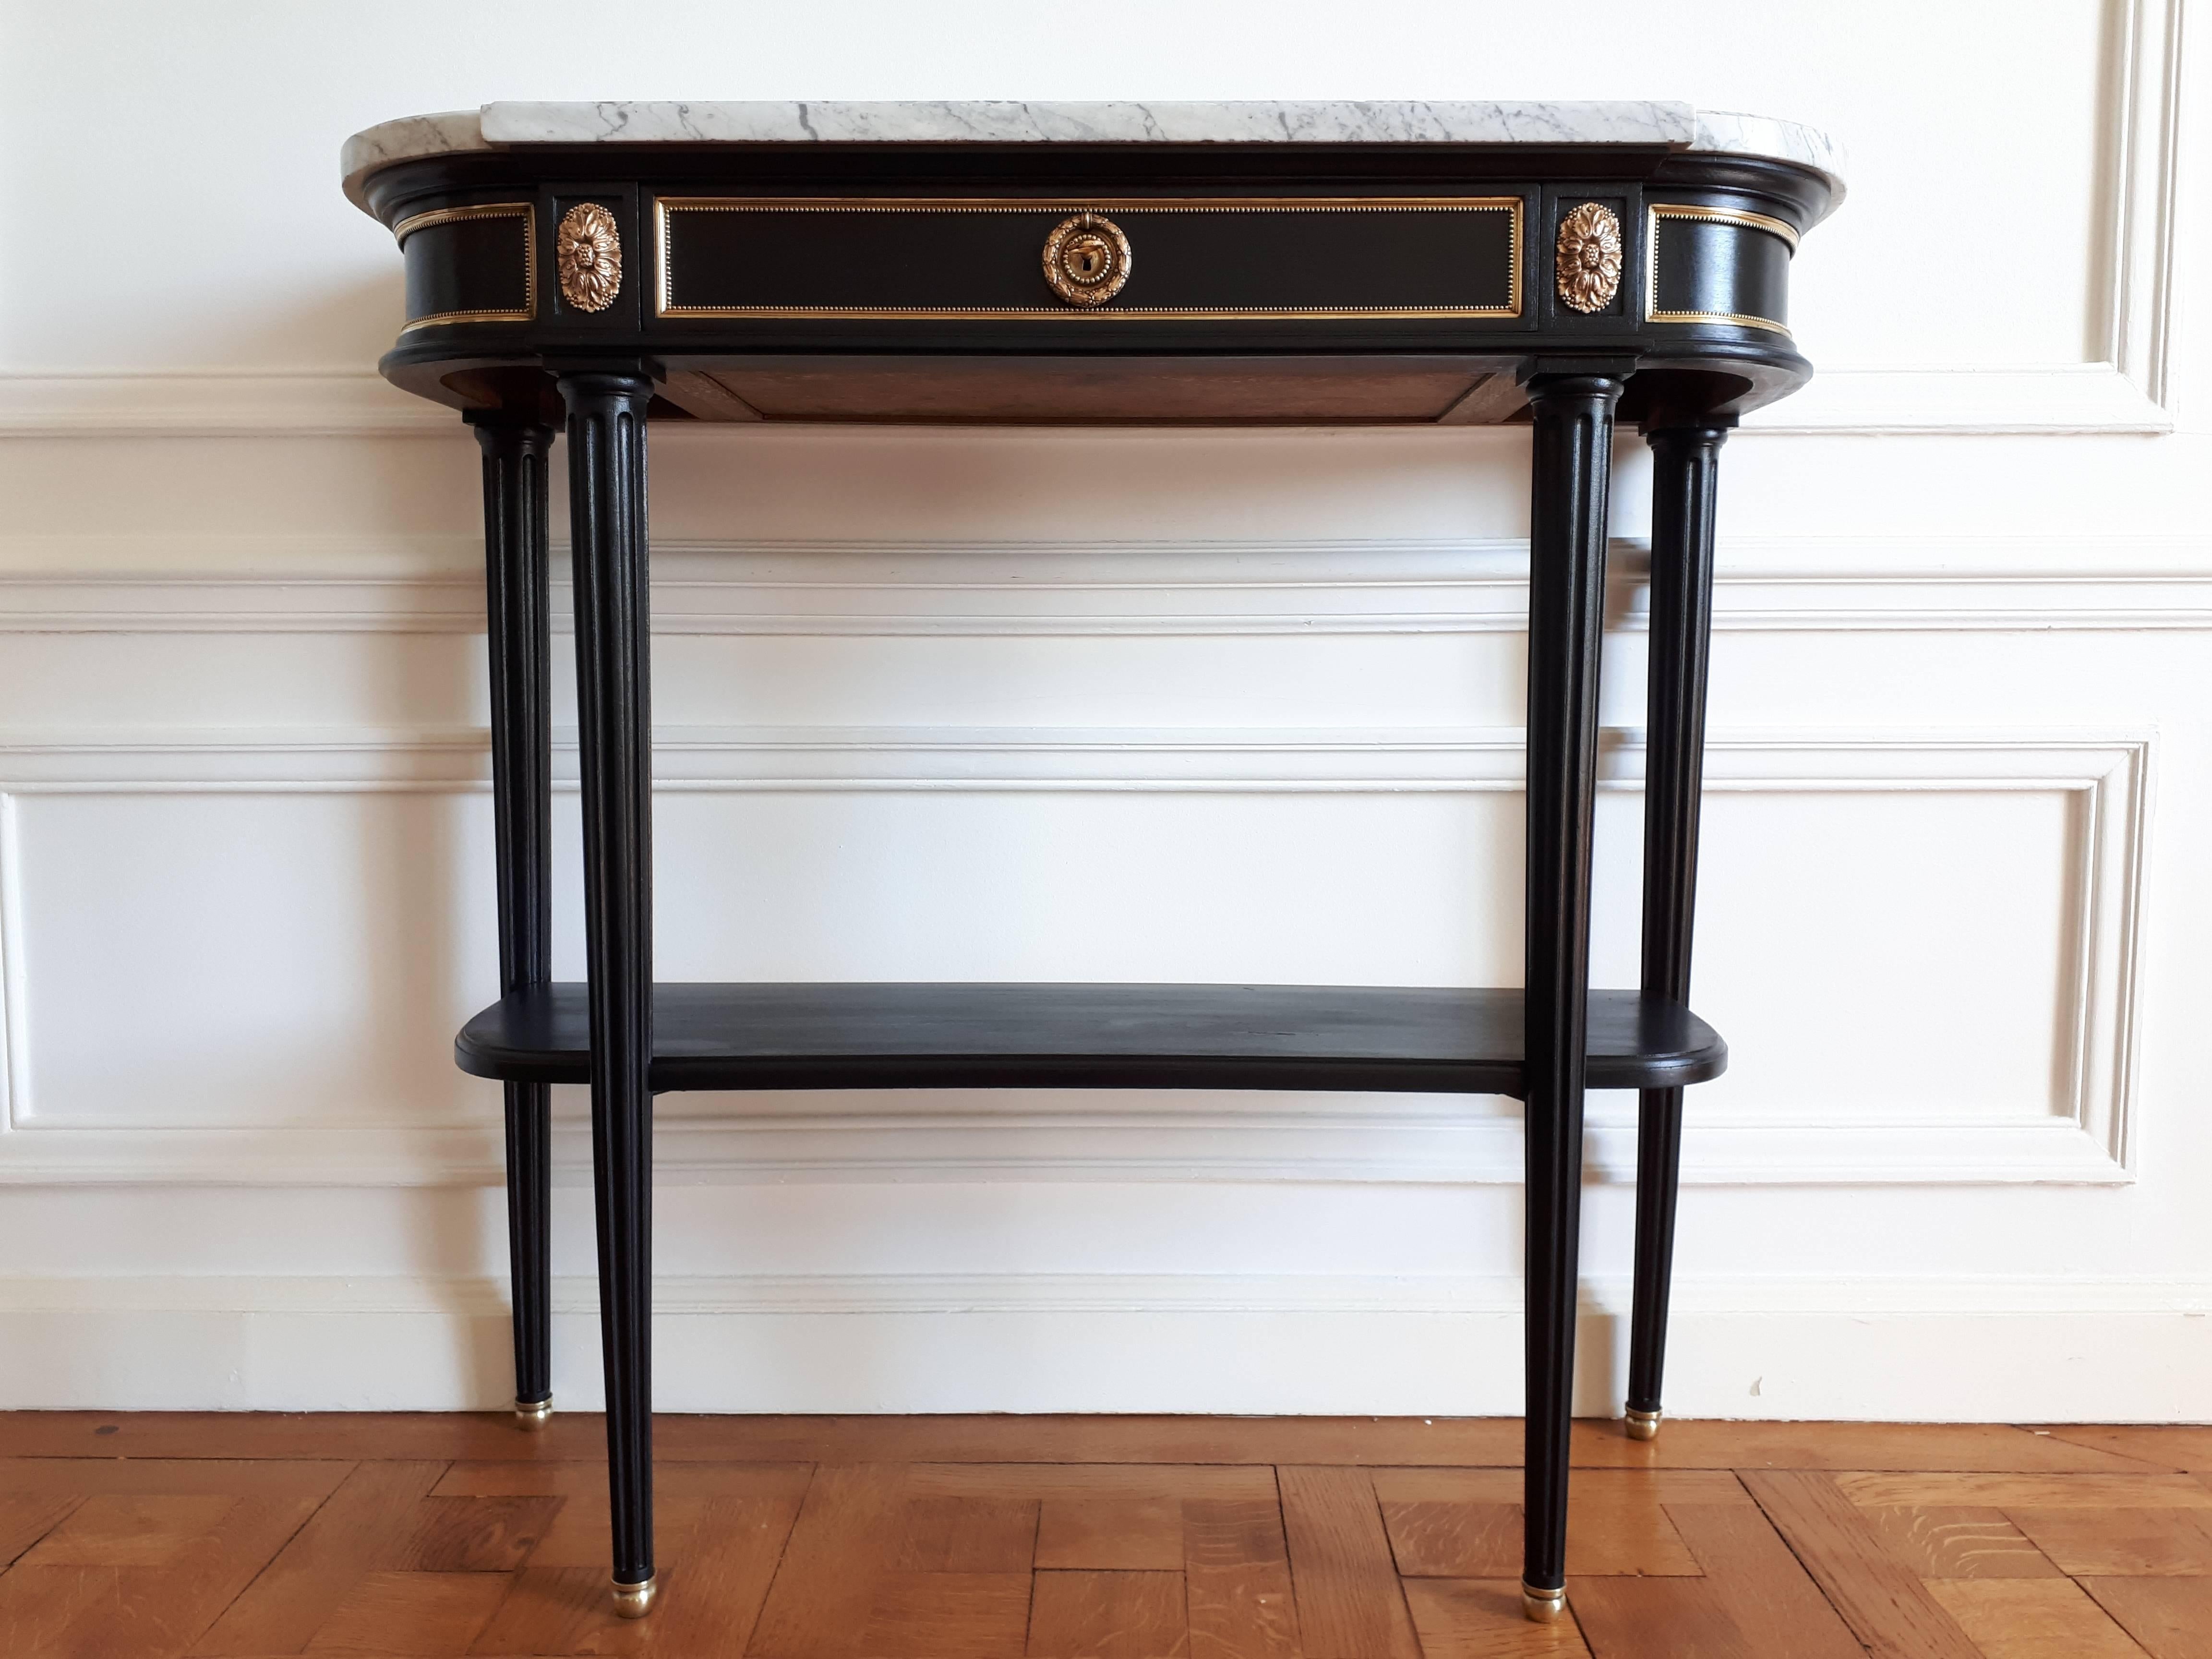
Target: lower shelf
{"x":1088,"y":1037}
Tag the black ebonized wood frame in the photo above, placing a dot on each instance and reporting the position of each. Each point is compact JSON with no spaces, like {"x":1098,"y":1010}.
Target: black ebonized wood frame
{"x":1696,"y":335}
{"x":516,"y":452}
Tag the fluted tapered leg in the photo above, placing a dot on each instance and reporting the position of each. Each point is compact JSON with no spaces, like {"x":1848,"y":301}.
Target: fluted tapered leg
{"x":607,"y":524}
{"x":516,"y":452}
{"x":1572,"y":452}
{"x":1686,"y":464}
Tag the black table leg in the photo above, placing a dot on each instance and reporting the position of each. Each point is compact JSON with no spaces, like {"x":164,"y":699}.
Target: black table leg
{"x":1686,"y":458}
{"x":516,"y":454}
{"x":606,"y":514}
{"x":1572,"y":453}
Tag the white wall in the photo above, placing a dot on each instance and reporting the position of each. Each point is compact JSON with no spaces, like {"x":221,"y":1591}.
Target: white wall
{"x":1017,"y":704}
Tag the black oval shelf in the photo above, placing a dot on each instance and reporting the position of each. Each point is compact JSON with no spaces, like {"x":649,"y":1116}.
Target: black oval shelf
{"x":1088,"y":1037}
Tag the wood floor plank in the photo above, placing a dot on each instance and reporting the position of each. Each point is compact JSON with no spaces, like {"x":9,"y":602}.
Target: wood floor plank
{"x":1989,"y":1447}
{"x":1505,"y":1486}
{"x":850,"y":1526}
{"x":410,"y":1613}
{"x":577,"y":1536}
{"x":546,"y":1610}
{"x":40,"y":1609}
{"x":245,"y":1477}
{"x":1620,"y":1528}
{"x":969,"y":1535}
{"x":947,"y":1615}
{"x":130,"y":1530}
{"x":1108,"y":1615}
{"x":1244,"y":1611}
{"x":2026,"y":1491}
{"x":1432,"y":1539}
{"x":2034,"y":1618}
{"x":25,"y":1518}
{"x":2122,"y":1543}
{"x":1616,"y":1520}
{"x":1233,"y":1532}
{"x":1481,"y":1618}
{"x":1125,"y":1535}
{"x":1625,"y":1618}
{"x":1236,"y":1580}
{"x":358,"y":1526}
{"x":1090,"y":1482}
{"x":1886,"y":1604}
{"x":471,"y":1534}
{"x":347,"y":1437}
{"x":570,"y":1478}
{"x":2167,"y":1445}
{"x":2170,"y":1618}
{"x":1960,"y":1543}
{"x":716,"y":1556}
{"x":719,"y":1574}
{"x":565,"y":1478}
{"x":1092,"y":1439}
{"x":1350,"y":1605}
{"x":1762,"y":1586}
{"x":157,"y":1612}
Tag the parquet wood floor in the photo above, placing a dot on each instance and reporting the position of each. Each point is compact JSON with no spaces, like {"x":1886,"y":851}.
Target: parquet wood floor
{"x":180,"y":1536}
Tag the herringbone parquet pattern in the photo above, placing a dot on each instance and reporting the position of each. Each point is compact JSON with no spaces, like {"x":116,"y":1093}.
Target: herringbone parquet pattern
{"x":1097,"y":1538}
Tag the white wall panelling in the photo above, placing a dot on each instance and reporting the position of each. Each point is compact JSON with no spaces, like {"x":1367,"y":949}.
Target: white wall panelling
{"x":1199,"y":705}
{"x":197,"y":584}
{"x":286,"y":1061}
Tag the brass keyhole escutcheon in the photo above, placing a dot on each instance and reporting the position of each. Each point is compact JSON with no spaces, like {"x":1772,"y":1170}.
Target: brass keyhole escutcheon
{"x":1086,"y":260}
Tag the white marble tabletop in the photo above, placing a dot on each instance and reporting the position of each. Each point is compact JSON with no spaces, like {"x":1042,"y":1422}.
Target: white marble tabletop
{"x":499,"y":126}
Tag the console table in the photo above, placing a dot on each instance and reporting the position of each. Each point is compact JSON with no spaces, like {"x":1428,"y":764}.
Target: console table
{"x":589,"y":268}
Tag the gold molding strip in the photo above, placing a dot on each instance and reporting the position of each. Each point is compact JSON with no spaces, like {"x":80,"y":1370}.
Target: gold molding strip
{"x":664,"y":206}
{"x":1715,"y":215}
{"x":526,"y":211}
{"x":1656,"y":211}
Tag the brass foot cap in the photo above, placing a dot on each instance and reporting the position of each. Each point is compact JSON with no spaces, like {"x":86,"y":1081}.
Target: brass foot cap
{"x":1543,"y":1605}
{"x":634,"y":1600}
{"x":534,"y":1413}
{"x":1643,"y":1425}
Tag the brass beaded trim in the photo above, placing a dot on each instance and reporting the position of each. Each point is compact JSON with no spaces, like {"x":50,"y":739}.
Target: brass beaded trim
{"x":525,"y":211}
{"x":1657,"y":211}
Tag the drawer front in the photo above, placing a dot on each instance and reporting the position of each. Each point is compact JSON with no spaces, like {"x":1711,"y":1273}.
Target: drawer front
{"x":1274,"y":258}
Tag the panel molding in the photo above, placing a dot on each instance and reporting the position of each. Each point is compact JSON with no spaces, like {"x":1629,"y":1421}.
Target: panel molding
{"x":860,"y":588}
{"x":2143,"y":190}
{"x":1137,"y":1136}
{"x":2053,"y":400}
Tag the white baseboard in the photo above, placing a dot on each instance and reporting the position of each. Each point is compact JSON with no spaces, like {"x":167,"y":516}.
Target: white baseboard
{"x":1934,"y":1350}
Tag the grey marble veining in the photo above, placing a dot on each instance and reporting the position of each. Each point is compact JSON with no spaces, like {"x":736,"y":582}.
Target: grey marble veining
{"x":1091,"y":123}
{"x":498,"y":126}
{"x":1729,"y":134}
